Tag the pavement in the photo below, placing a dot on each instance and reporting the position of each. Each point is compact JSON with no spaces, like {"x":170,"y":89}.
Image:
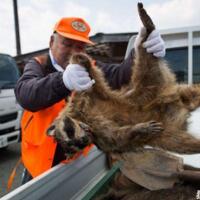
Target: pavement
{"x":8,"y":160}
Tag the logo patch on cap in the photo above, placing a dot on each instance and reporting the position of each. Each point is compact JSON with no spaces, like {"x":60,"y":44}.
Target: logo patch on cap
{"x":79,"y":26}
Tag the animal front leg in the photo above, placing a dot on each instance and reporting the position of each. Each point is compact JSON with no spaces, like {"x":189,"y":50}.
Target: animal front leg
{"x":143,"y":132}
{"x":110,"y":137}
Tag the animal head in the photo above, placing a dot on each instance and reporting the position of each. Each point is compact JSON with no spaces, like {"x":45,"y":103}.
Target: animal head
{"x":71,"y":134}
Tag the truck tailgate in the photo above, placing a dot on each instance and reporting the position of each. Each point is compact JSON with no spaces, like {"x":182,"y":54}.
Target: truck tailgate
{"x":66,"y":181}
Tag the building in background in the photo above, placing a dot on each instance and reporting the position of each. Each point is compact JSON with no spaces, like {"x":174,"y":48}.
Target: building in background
{"x":182,"y":44}
{"x":183,"y":52}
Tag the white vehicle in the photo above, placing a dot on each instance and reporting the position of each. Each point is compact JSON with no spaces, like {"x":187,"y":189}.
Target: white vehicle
{"x":10,"y":111}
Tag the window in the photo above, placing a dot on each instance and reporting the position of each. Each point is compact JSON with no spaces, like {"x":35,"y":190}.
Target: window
{"x":8,"y":72}
{"x":196,"y":64}
{"x":178,"y":60}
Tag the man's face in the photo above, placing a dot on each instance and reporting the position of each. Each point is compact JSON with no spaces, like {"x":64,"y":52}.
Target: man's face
{"x":62,"y":48}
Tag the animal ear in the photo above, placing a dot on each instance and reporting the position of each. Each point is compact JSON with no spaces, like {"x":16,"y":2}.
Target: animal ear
{"x":51,"y":130}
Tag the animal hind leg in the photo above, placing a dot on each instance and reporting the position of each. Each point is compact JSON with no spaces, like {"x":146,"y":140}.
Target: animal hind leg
{"x":96,"y":74}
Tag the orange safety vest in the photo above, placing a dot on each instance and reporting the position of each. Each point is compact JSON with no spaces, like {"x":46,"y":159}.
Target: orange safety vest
{"x":37,"y":148}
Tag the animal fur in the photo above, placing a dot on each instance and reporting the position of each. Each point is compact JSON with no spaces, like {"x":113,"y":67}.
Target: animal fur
{"x":151,"y":110}
{"x":123,"y":189}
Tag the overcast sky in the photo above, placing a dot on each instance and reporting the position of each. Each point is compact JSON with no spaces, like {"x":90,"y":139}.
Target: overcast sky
{"x":37,"y":18}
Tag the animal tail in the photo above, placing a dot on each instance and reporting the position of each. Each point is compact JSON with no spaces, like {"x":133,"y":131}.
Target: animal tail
{"x":145,"y":18}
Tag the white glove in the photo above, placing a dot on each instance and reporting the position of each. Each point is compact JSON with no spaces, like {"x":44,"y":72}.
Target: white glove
{"x":75,"y":77}
{"x":154,"y":43}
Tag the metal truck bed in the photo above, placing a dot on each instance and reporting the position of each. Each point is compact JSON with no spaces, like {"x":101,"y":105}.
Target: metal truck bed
{"x":75,"y":181}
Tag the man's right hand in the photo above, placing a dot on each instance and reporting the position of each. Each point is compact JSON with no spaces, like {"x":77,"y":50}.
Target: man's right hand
{"x":76,"y":78}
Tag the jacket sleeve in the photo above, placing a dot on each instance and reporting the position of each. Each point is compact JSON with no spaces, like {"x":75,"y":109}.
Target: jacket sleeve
{"x":118,"y":75}
{"x":35,"y":90}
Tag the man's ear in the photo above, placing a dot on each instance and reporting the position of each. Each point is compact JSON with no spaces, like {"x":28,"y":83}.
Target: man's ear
{"x":51,"y":41}
{"x":51,"y":130}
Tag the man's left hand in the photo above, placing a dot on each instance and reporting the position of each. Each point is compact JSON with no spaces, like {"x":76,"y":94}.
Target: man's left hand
{"x":155,"y":44}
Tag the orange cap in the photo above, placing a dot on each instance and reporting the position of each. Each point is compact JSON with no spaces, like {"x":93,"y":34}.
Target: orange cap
{"x":73,"y":28}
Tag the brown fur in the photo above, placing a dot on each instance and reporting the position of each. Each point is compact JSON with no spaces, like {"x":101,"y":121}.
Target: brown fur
{"x":122,"y":120}
{"x":152,"y":110}
{"x":123,"y":189}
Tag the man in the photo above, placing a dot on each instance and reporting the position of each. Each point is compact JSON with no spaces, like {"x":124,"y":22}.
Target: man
{"x":48,"y":80}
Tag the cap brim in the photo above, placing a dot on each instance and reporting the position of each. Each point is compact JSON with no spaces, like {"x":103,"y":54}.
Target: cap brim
{"x":75,"y":37}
